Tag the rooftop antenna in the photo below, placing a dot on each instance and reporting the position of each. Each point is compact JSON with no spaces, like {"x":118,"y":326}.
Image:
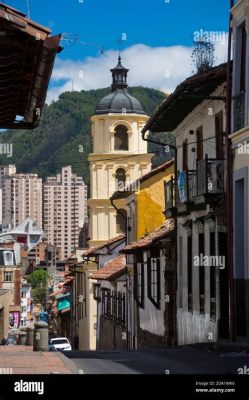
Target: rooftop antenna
{"x":28,"y":8}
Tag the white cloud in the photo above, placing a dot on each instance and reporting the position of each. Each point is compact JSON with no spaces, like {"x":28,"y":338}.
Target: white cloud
{"x":156,"y":67}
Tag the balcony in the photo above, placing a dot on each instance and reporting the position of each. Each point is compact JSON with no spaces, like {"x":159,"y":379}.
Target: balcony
{"x":193,"y":189}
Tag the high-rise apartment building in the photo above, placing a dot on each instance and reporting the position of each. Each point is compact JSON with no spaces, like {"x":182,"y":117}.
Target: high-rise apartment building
{"x":65,"y":210}
{"x":21,"y":197}
{"x":5,"y":170}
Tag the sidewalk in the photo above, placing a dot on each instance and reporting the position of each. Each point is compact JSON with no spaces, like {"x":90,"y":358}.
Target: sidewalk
{"x":23,"y":360}
{"x":225,"y":346}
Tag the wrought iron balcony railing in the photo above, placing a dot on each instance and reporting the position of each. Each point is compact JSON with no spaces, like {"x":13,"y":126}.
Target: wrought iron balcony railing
{"x":207,"y":179}
{"x":209,"y":176}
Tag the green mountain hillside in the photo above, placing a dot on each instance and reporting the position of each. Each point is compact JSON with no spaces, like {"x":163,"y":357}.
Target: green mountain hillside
{"x":63,"y":130}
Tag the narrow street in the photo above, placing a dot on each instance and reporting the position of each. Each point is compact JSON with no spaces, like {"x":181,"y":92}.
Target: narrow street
{"x":169,"y":361}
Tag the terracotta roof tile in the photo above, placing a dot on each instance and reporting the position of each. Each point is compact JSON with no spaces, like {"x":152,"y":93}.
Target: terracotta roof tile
{"x":92,"y":250}
{"x":148,"y":240}
{"x":56,"y":292}
{"x":26,"y":66}
{"x":67,"y":281}
{"x":112,"y":270}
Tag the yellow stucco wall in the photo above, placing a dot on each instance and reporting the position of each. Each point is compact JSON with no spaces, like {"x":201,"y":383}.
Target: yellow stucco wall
{"x":150,"y":202}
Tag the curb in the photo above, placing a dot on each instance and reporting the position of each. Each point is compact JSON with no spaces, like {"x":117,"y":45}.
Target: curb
{"x":68,"y":363}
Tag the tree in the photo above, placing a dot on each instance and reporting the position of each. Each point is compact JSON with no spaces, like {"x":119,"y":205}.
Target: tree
{"x":39,"y":296}
{"x":38,"y":279}
{"x":203,"y":55}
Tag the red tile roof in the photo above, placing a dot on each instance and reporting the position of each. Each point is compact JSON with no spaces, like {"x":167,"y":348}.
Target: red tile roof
{"x":112,"y":270}
{"x":155,"y":171}
{"x":92,"y":250}
{"x":56,"y":292}
{"x":150,"y":239}
{"x":68,"y":281}
{"x":26,"y":67}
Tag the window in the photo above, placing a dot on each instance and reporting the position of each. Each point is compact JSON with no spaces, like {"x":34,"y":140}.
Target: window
{"x":239,"y":106}
{"x":120,"y":179}
{"x":96,"y":292}
{"x":8,"y":276}
{"x":8,"y":258}
{"x":121,"y":138}
{"x":23,"y":295}
{"x":190,"y":291}
{"x":121,"y":312}
{"x":219,"y":135}
{"x":106,"y":303}
{"x":185,"y":155}
{"x":153,"y":280}
{"x":199,"y":140}
{"x":201,"y":274}
{"x":139,"y":280}
{"x":121,"y":220}
{"x":243,"y":58}
{"x":114,"y":306}
{"x":212,"y":277}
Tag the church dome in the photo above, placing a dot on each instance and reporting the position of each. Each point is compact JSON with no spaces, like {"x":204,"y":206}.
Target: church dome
{"x":119,"y":100}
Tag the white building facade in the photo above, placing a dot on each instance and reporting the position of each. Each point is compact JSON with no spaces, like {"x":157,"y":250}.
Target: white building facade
{"x":26,"y":303}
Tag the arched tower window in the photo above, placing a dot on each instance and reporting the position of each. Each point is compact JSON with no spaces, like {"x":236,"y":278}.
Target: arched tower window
{"x":120,"y":179}
{"x":121,"y":221}
{"x":121,"y":138}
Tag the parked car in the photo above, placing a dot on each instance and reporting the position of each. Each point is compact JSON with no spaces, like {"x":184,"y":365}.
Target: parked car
{"x":11,"y":341}
{"x":51,"y":347}
{"x":61,"y":343}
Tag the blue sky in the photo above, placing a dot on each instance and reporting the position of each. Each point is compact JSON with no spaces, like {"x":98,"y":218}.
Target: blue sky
{"x":158,"y":32}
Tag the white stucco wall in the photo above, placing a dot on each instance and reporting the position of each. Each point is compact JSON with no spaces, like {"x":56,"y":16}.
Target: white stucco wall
{"x":151,"y":318}
{"x":193,"y":326}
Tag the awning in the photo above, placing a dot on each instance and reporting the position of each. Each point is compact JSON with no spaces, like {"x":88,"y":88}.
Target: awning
{"x":63,"y":302}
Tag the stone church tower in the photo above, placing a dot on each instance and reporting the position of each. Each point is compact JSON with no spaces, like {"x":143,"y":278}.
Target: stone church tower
{"x":119,"y":154}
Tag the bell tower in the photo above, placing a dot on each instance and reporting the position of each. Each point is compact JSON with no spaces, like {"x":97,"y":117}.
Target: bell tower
{"x":119,"y":154}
